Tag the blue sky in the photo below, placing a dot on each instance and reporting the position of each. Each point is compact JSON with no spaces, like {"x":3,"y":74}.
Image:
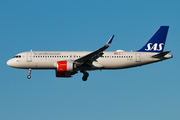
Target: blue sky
{"x":147,"y":92}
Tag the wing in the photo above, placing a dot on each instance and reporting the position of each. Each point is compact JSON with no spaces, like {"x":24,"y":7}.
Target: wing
{"x":89,"y":58}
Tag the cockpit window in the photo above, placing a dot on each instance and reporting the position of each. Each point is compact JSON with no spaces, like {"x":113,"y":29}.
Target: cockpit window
{"x":17,"y":56}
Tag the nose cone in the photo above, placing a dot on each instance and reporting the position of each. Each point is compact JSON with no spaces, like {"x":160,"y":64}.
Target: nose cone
{"x":10,"y":63}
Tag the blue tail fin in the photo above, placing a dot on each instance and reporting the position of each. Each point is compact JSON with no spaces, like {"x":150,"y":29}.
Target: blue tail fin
{"x":157,"y":41}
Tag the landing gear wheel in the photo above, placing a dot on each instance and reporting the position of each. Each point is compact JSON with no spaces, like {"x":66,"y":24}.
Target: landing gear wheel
{"x":85,"y":76}
{"x":28,"y":76}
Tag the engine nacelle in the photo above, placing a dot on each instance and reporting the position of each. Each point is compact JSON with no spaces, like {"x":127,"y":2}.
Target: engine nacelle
{"x":63,"y":74}
{"x":63,"y":66}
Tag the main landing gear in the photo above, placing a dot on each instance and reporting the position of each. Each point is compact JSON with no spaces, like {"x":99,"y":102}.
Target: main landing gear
{"x":85,"y":75}
{"x":29,"y":76}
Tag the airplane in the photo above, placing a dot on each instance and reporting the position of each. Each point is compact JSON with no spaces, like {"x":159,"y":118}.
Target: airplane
{"x":68,"y":63}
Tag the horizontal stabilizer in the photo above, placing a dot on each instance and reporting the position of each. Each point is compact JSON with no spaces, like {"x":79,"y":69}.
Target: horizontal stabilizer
{"x":161,"y":54}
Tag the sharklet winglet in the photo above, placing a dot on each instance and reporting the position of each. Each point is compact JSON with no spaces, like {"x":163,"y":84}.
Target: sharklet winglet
{"x":110,"y":41}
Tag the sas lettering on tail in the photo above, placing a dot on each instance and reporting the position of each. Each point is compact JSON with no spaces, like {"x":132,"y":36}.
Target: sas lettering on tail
{"x":154,"y":47}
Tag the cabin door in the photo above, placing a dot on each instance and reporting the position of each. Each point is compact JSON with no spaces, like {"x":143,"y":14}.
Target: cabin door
{"x":29,"y":56}
{"x":138,"y":57}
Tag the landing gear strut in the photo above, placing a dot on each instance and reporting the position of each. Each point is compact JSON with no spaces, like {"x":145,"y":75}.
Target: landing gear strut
{"x":85,"y":75}
{"x":29,"y":76}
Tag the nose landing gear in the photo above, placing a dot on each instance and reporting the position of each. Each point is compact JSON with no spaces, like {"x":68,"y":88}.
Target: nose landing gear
{"x":29,"y":76}
{"x":85,"y":75}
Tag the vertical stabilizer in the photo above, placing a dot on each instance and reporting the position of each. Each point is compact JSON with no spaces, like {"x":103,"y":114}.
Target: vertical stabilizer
{"x":157,"y":41}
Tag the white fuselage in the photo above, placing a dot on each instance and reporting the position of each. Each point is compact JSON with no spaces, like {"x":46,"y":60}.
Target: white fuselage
{"x":109,"y":60}
{"x":68,"y":63}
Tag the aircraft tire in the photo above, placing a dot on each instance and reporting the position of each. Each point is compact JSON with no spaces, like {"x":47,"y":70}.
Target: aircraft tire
{"x":28,"y":76}
{"x":84,"y":78}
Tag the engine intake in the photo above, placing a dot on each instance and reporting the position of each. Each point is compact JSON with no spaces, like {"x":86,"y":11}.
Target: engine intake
{"x":63,"y":66}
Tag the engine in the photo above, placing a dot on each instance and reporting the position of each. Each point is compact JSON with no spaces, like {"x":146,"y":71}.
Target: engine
{"x":64,"y":68}
{"x":63,"y":74}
